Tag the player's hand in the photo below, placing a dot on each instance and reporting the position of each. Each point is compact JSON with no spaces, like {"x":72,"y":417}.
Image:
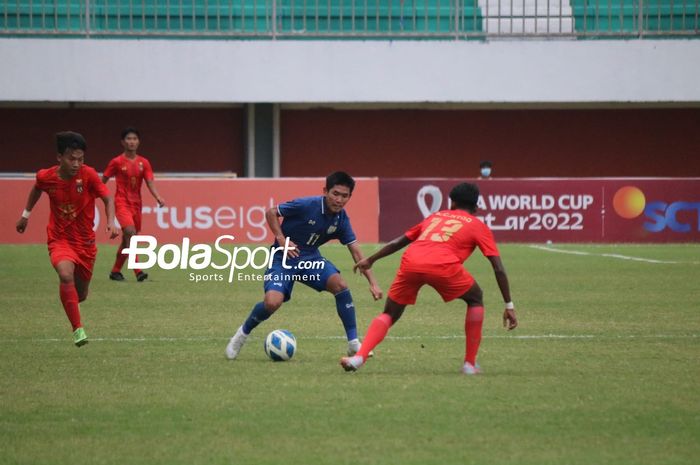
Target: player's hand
{"x":293,"y":250}
{"x":510,"y":321}
{"x":362,"y":265}
{"x":112,"y":230}
{"x":376,"y":291}
{"x":161,"y":201}
{"x":22,"y":225}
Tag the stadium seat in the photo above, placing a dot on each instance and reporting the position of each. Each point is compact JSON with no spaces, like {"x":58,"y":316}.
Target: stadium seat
{"x":351,"y":19}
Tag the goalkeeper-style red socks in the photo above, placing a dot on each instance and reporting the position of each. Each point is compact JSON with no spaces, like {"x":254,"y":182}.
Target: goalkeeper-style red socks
{"x":119,"y":262}
{"x":375,"y":334}
{"x":473,"y":322}
{"x":69,"y":299}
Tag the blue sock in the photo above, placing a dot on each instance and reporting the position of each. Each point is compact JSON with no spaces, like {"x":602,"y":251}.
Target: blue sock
{"x":257,"y":316}
{"x":346,"y":312}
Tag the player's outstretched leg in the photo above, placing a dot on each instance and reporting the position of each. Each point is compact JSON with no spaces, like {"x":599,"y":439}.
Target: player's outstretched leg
{"x":261,"y":312}
{"x":473,"y":323}
{"x":376,"y":333}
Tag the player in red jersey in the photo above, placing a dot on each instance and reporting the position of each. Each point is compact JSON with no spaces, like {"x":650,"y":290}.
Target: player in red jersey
{"x":438,"y":247}
{"x":130,"y":170}
{"x":72,"y":188}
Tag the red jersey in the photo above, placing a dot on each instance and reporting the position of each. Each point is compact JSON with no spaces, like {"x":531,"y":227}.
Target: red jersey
{"x":129,"y":175}
{"x":72,"y":204}
{"x":447,"y":237}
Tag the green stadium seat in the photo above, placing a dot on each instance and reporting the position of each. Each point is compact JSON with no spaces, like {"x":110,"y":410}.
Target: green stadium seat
{"x":341,"y":19}
{"x":658,"y":17}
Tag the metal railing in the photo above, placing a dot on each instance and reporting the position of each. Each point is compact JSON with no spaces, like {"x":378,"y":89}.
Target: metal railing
{"x":350,"y":19}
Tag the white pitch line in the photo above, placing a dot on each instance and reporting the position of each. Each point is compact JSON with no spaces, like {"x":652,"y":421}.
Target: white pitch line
{"x":609,"y":255}
{"x":400,"y":338}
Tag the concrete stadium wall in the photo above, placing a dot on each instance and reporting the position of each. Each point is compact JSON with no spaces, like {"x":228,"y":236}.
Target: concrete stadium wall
{"x":79,"y":70}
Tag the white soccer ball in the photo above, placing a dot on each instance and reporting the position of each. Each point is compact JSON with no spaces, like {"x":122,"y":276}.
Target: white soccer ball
{"x":280,"y":345}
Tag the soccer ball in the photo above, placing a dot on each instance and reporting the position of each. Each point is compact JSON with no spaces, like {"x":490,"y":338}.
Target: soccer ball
{"x":280,"y":345}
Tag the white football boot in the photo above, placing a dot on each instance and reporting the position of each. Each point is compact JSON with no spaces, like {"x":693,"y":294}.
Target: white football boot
{"x":469,"y":369}
{"x":351,"y":363}
{"x":354,"y":347}
{"x":234,"y":345}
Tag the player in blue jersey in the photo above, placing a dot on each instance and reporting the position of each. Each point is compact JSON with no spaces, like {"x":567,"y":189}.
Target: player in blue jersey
{"x":308,"y":223}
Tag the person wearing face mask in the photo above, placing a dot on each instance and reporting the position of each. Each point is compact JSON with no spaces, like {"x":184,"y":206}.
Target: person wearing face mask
{"x":485,"y":169}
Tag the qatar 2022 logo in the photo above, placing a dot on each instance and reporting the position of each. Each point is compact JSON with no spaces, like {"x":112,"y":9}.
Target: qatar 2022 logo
{"x":680,"y":216}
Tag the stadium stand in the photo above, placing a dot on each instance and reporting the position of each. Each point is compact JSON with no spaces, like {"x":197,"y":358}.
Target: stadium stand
{"x":650,"y":17}
{"x":347,"y":19}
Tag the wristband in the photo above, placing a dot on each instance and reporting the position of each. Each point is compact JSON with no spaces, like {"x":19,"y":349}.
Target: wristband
{"x":510,"y":306}
{"x":26,"y":213}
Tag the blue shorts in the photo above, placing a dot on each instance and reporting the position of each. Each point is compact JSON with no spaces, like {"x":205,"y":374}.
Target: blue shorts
{"x":280,"y":279}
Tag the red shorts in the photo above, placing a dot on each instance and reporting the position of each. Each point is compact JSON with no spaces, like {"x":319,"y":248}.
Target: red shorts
{"x":128,"y":216}
{"x":450,"y":281}
{"x":82,"y":257}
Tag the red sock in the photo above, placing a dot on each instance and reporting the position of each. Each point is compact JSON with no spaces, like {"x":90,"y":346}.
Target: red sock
{"x":119,"y":262}
{"x":472,"y":329}
{"x":136,"y":270}
{"x":375,"y":334}
{"x":69,"y":299}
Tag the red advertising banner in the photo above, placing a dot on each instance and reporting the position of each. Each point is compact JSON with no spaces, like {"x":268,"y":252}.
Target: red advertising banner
{"x":201,"y":209}
{"x":560,"y":210}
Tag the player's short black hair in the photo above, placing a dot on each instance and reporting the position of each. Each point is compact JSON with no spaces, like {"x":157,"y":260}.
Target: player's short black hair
{"x":130,"y":130}
{"x":465,"y":195}
{"x":485,"y":164}
{"x":69,"y":140}
{"x":340,"y":178}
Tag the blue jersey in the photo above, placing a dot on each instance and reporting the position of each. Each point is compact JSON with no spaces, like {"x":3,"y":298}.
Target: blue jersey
{"x":308,"y":224}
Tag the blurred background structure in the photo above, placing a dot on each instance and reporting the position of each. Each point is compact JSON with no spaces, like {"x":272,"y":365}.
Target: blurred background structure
{"x":390,"y":88}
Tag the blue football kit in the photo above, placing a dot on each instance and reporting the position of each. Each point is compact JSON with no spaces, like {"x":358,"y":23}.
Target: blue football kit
{"x":308,"y":223}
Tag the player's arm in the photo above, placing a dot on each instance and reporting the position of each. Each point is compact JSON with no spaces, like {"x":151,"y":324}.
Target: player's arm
{"x":358,"y":257}
{"x":154,"y":192}
{"x":34,"y":196}
{"x":148,"y":177}
{"x":109,"y":172}
{"x":272,"y":217}
{"x":112,"y":229}
{"x":510,"y":321}
{"x":388,"y":249}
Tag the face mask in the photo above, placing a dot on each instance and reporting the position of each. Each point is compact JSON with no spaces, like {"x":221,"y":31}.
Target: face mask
{"x":485,"y":172}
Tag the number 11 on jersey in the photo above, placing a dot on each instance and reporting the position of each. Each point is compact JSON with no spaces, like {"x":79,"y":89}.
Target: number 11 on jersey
{"x":313,"y":239}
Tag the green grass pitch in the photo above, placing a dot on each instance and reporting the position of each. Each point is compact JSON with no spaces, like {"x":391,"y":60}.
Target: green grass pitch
{"x":604,"y":369}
